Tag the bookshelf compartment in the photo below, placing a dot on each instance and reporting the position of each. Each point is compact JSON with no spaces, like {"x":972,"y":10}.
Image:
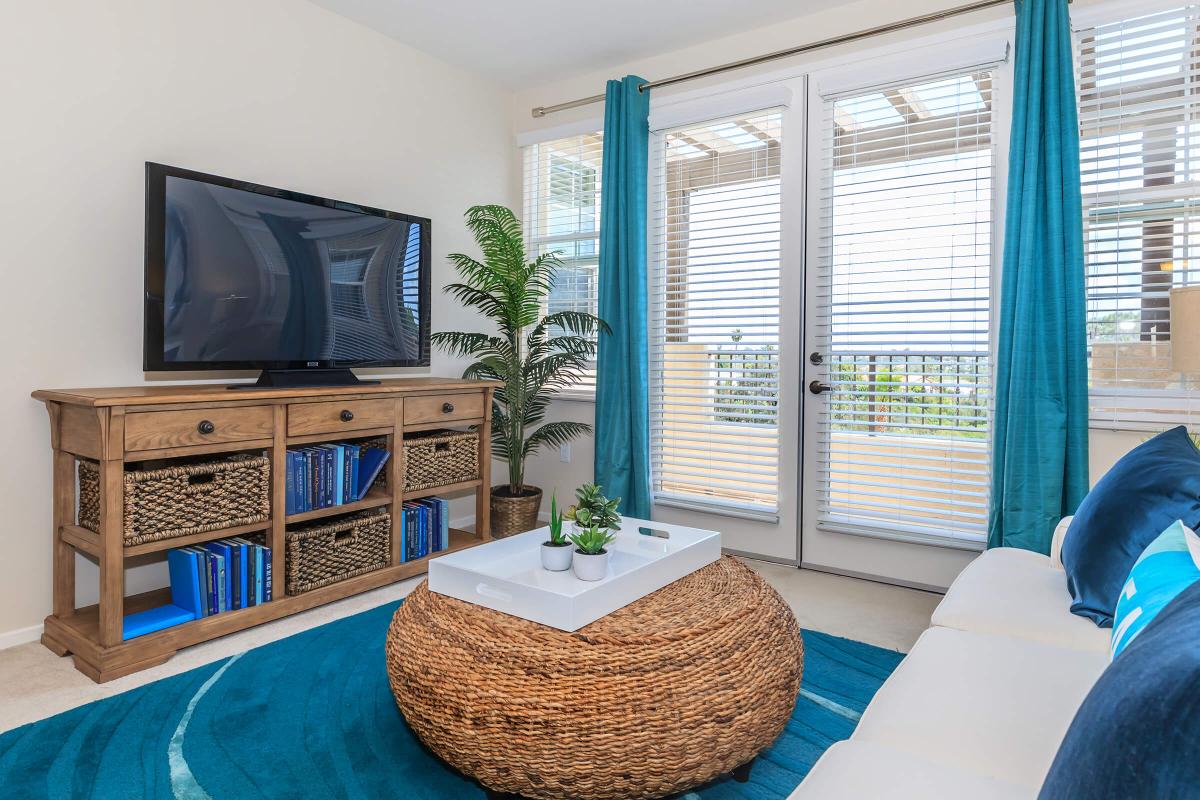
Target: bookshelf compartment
{"x":321,"y":554}
{"x":440,"y":458}
{"x":187,"y":497}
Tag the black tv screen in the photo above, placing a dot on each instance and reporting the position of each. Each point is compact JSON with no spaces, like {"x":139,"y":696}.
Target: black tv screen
{"x":243,"y":276}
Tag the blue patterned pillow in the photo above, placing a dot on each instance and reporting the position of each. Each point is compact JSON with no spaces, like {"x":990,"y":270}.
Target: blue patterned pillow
{"x":1164,"y":569}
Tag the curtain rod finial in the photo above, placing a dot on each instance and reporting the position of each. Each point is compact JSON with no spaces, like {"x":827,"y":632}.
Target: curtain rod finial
{"x":539,"y":111}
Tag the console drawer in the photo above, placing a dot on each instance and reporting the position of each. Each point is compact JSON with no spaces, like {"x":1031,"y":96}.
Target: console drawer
{"x":443,"y":408}
{"x":158,"y":430}
{"x":342,"y":415}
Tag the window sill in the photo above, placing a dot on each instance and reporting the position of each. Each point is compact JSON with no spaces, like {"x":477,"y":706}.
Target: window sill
{"x":577,"y":395}
{"x":755,"y":515}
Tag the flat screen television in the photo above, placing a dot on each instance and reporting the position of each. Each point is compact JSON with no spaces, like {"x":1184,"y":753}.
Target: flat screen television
{"x":244,"y":276}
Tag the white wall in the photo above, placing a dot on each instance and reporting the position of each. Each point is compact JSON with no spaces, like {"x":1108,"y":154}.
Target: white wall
{"x":276,"y":91}
{"x":914,"y":564}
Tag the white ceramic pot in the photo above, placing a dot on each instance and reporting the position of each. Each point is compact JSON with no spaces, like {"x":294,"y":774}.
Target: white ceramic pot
{"x":556,"y":558}
{"x":590,"y":567}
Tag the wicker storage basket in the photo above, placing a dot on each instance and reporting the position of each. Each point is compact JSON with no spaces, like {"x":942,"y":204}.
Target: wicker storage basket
{"x":323,"y":553}
{"x":440,"y":458}
{"x":184,"y":498}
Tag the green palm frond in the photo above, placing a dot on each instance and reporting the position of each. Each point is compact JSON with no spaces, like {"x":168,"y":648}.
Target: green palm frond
{"x":534,"y":357}
{"x":555,"y":434}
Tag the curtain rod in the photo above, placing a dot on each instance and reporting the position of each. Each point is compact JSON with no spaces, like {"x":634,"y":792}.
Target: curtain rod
{"x":541,"y":111}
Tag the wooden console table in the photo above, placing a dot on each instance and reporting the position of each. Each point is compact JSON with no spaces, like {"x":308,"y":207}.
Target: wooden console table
{"x":116,"y":426}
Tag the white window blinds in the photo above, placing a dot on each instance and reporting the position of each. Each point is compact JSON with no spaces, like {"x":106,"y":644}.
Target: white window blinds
{"x":562,"y":213}
{"x":714,"y":312}
{"x":1139,"y":117}
{"x":902,"y":304}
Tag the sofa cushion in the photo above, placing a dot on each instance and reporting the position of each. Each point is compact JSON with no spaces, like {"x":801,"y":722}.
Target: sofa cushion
{"x":1161,"y":573}
{"x":1151,"y":486}
{"x":1014,"y":592}
{"x":1136,"y":733}
{"x":854,"y":770}
{"x":994,"y":705}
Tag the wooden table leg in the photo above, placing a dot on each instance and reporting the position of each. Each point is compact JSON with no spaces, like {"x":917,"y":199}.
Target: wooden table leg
{"x":64,"y":554}
{"x":112,"y":527}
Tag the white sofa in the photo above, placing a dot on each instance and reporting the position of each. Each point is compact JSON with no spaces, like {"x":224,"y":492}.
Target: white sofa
{"x":978,"y":708}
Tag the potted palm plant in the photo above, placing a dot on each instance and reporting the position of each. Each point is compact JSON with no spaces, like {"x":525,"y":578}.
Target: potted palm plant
{"x":590,"y":559}
{"x":533,"y":354}
{"x":556,"y":551}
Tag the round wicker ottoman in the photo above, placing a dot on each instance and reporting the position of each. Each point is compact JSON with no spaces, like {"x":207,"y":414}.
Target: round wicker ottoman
{"x":678,"y":688}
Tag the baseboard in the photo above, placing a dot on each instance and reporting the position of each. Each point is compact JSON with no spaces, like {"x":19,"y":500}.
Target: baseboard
{"x":867,"y":576}
{"x":20,"y":636}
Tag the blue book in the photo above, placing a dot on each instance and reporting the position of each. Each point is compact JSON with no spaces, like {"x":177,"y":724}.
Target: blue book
{"x":243,"y":573}
{"x":371,"y":462}
{"x":339,"y":479}
{"x":310,"y":477}
{"x":185,"y":582}
{"x":347,"y":473}
{"x":444,"y":505}
{"x":199,"y":558}
{"x":433,"y":524}
{"x":403,"y":536}
{"x":224,"y":555}
{"x":216,"y":581}
{"x":410,"y":533}
{"x":289,"y":492}
{"x":331,"y":473}
{"x":313,"y":457}
{"x":333,"y":470}
{"x":355,"y":451}
{"x":301,"y":478}
{"x":156,"y":619}
{"x":266,"y":573}
{"x":423,"y":523}
{"x":258,"y":574}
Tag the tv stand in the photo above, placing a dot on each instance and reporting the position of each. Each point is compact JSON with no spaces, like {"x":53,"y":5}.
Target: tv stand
{"x":302,"y":378}
{"x":120,"y":429}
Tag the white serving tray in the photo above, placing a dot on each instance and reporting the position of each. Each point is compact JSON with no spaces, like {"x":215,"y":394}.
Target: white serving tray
{"x":506,"y":575}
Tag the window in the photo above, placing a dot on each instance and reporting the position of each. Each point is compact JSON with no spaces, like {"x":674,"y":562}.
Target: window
{"x":562,"y":213}
{"x":714,"y":313}
{"x":1139,"y":118}
{"x":901,"y":304}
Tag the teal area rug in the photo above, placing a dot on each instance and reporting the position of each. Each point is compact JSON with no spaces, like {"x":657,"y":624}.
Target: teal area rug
{"x":312,"y":716}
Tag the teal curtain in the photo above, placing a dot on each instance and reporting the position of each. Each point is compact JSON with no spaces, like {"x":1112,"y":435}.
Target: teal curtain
{"x":1039,"y":446}
{"x":622,"y":374}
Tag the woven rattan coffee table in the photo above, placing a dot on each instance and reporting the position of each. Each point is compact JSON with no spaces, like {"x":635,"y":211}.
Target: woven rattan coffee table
{"x":665,"y":694}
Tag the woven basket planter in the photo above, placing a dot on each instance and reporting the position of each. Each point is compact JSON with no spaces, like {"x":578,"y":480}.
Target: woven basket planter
{"x":660,"y":696}
{"x":513,"y":515}
{"x":319,"y":554}
{"x":183,"y":499}
{"x":440,"y":458}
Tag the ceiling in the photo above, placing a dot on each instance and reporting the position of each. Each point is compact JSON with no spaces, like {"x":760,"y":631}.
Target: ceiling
{"x":538,"y":41}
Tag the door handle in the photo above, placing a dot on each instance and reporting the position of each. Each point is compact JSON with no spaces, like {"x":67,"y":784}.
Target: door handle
{"x":816,"y":387}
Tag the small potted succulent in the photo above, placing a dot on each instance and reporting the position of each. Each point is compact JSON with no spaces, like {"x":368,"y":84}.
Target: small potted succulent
{"x":556,"y":552}
{"x":589,"y":562}
{"x":594,"y":510}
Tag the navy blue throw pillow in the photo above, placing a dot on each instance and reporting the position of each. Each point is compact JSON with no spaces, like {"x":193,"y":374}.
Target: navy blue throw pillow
{"x":1137,"y":732}
{"x":1153,"y":485}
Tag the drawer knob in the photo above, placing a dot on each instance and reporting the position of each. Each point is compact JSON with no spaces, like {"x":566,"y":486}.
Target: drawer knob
{"x":346,"y":415}
{"x":447,"y":408}
{"x":206,"y":427}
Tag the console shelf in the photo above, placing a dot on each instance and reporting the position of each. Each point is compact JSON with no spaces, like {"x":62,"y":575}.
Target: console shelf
{"x":114,"y":426}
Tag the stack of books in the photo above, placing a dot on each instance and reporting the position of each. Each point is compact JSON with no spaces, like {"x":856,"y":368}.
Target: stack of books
{"x":424,"y":528}
{"x":222,"y":575}
{"x":328,"y":475}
